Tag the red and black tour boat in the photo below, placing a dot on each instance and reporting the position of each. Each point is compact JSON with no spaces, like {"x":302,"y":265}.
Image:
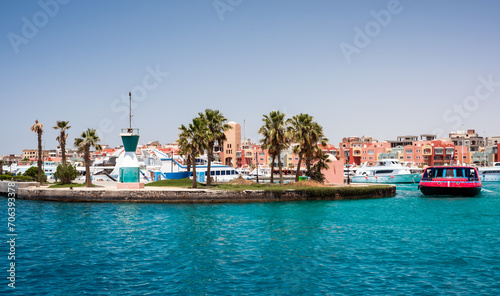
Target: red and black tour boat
{"x":450,"y":180}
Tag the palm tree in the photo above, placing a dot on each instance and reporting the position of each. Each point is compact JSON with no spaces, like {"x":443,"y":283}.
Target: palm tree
{"x":185,"y":150}
{"x":192,"y":141}
{"x":87,"y":140}
{"x":61,"y":138}
{"x":314,"y":153}
{"x":321,"y":164}
{"x":276,"y":138}
{"x":216,"y":127}
{"x":38,"y":129}
{"x":306,"y":133}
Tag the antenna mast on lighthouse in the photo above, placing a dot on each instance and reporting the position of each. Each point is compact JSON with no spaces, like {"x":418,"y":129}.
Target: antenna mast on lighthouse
{"x":130,"y":107}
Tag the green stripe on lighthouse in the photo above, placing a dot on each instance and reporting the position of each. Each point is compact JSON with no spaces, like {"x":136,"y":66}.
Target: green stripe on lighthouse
{"x":130,"y":142}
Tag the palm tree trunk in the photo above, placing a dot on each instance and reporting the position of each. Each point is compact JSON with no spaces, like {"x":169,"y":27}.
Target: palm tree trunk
{"x":40,"y":157}
{"x":280,"y":167}
{"x":188,"y":163}
{"x":63,"y":152}
{"x":194,"y":171}
{"x":272,"y":169}
{"x":209,"y":155}
{"x":308,"y":166}
{"x":297,"y":173}
{"x":88,"y":178}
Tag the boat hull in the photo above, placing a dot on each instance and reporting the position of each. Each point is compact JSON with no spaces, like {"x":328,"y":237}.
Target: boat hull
{"x":450,"y":188}
{"x":443,"y":191}
{"x":489,"y":177}
{"x":177,"y":175}
{"x":393,"y":179}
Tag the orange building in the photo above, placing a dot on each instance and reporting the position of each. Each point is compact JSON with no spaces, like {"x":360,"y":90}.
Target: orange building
{"x":231,"y":145}
{"x":362,"y":149}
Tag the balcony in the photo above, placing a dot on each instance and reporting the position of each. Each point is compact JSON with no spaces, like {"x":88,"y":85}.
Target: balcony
{"x":449,"y":151}
{"x":427,"y":150}
{"x":356,"y":152}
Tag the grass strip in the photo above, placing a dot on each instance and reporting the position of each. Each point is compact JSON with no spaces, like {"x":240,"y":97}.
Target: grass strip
{"x":59,"y":185}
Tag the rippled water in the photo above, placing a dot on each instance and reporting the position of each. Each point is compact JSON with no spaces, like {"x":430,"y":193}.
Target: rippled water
{"x":407,"y":245}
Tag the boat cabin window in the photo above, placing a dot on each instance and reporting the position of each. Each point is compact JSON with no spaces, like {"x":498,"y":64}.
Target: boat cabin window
{"x":383,"y":172}
{"x":491,"y":172}
{"x":438,"y":173}
{"x":460,"y":173}
{"x":449,"y":173}
{"x":472,"y":173}
{"x":427,"y":174}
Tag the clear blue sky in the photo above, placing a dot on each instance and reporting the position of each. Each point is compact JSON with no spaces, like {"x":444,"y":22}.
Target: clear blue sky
{"x":247,"y":58}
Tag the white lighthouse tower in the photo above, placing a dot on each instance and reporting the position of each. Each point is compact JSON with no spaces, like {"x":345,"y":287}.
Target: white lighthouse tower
{"x":129,"y":173}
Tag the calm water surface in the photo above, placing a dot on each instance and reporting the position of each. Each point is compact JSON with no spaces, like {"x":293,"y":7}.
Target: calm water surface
{"x":407,"y":245}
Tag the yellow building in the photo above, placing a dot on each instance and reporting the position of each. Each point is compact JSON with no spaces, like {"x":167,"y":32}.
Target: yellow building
{"x":33,"y":153}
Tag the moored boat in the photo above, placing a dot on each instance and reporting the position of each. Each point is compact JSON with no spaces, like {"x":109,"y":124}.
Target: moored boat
{"x":491,"y":173}
{"x":450,"y":180}
{"x":388,"y":171}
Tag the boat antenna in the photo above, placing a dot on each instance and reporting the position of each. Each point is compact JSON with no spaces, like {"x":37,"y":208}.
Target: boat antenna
{"x":244,"y":129}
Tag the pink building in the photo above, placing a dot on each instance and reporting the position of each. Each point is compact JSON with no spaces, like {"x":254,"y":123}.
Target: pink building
{"x":335,"y":172}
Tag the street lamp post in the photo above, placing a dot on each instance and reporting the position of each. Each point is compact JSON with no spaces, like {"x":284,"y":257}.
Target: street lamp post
{"x":485,"y":145}
{"x":257,"y":162}
{"x":346,"y":153}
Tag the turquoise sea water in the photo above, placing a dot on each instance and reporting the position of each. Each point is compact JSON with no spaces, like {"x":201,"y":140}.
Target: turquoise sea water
{"x":407,"y":245}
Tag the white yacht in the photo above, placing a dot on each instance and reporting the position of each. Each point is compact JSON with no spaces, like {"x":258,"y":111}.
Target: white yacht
{"x":490,"y":174}
{"x":386,"y":171}
{"x":175,"y":168}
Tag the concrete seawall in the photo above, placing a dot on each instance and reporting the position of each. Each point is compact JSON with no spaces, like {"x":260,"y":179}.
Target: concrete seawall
{"x":180,"y":195}
{"x":4,"y":185}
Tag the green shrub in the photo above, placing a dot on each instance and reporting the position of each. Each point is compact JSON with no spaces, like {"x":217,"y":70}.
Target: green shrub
{"x":65,"y":173}
{"x":20,"y":178}
{"x":33,"y":173}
